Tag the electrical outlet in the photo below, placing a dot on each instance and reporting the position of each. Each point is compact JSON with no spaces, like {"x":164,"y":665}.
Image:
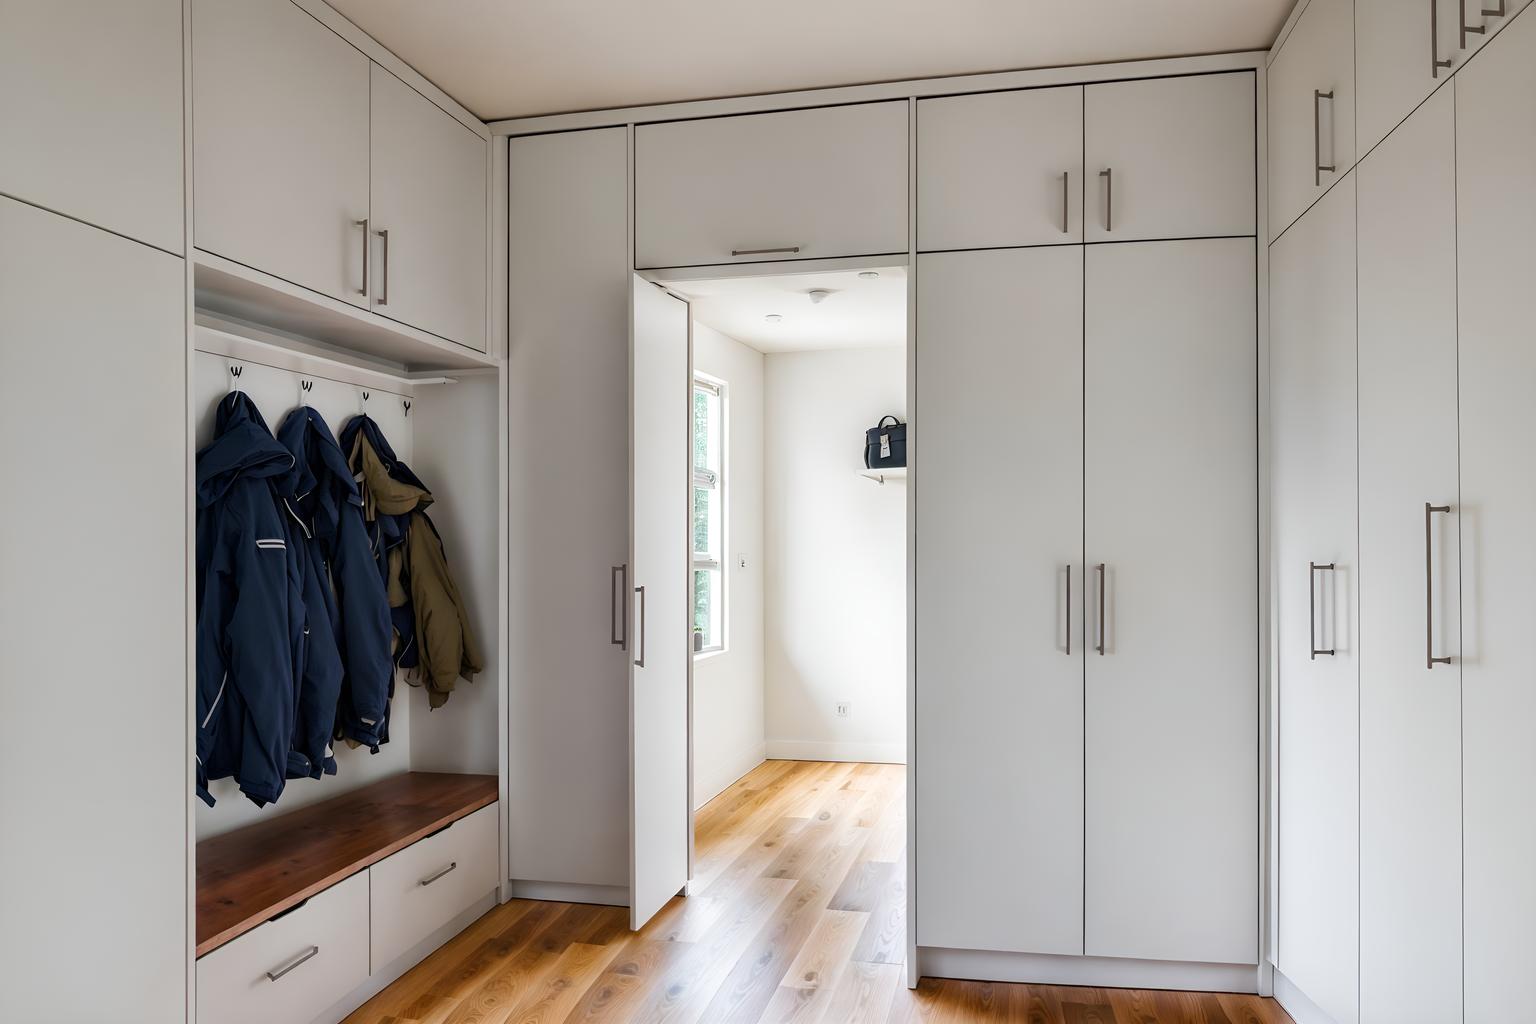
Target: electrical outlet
{"x":842,"y":709}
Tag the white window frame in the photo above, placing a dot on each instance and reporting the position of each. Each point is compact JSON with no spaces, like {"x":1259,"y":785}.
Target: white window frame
{"x":716,"y":482}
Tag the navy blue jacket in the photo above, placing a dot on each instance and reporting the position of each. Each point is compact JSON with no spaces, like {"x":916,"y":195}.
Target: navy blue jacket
{"x":346,"y":691}
{"x":250,"y":608}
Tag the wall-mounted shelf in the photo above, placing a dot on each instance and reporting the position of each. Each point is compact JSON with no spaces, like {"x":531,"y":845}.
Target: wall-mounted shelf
{"x":230,"y":289}
{"x":880,"y":476}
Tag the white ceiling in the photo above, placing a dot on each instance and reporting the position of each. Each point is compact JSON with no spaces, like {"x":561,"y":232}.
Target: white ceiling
{"x":859,"y":313}
{"x":511,"y":58}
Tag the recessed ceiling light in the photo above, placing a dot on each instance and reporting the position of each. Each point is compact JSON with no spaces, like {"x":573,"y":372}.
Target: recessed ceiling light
{"x":817,"y":295}
{"x":868,"y":275}
{"x":773,"y":318}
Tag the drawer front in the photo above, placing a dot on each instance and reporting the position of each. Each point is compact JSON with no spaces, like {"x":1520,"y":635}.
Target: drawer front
{"x":829,"y":182}
{"x":427,"y":884}
{"x":293,"y":968}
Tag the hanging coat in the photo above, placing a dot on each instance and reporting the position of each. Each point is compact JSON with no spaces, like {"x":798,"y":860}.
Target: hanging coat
{"x":440,"y":643}
{"x":250,"y":609}
{"x":330,"y":510}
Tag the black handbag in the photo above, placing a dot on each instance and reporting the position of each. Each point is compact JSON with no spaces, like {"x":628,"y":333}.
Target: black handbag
{"x":885,"y":446}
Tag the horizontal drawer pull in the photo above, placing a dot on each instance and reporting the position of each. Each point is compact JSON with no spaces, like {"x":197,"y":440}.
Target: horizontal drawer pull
{"x":309,"y":955}
{"x":765,"y":252}
{"x":430,"y":879}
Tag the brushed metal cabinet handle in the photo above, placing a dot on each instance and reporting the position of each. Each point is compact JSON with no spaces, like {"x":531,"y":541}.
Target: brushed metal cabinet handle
{"x":432,"y":878}
{"x":640,"y":628}
{"x":1069,"y":609}
{"x":1313,"y":568}
{"x":1103,"y":585}
{"x":1066,"y":227}
{"x":1430,"y":661}
{"x":367,"y":248}
{"x":1317,"y":136}
{"x":766,"y":252}
{"x":384,"y":292}
{"x":1108,"y":174}
{"x":304,"y":957}
{"x":1465,"y":28}
{"x":618,"y":584}
{"x":1435,"y":63}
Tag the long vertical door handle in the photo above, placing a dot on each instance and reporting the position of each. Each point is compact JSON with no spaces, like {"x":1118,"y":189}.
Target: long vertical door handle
{"x":1465,"y":28}
{"x":1435,"y":63}
{"x":1430,"y":661}
{"x":640,"y":628}
{"x":1313,"y":568}
{"x":618,"y":592}
{"x":1102,"y":586}
{"x":1069,"y":609}
{"x":1108,"y":174}
{"x":1317,"y":136}
{"x":384,"y":292}
{"x":1066,"y":225}
{"x":367,"y":248}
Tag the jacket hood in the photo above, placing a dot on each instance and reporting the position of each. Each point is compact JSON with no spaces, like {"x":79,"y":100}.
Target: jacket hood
{"x":242,"y":445}
{"x":322,"y":477}
{"x":388,"y":484}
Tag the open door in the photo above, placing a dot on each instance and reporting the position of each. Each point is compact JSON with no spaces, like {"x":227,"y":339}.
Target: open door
{"x":660,"y":476}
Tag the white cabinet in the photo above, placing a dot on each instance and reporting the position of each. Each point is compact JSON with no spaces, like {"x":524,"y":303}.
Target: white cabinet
{"x":1410,"y":708}
{"x":999,"y":169}
{"x":1169,"y":157}
{"x":798,"y":184}
{"x":280,"y":144}
{"x":91,"y":113}
{"x":293,"y":968}
{"x":428,"y":214}
{"x":413,"y":893}
{"x":1171,"y":690}
{"x":999,"y":381}
{"x":1403,"y":52}
{"x":1496,"y":248}
{"x":1311,"y":110}
{"x":1490,"y":17}
{"x":103,"y":320}
{"x":1316,"y":579}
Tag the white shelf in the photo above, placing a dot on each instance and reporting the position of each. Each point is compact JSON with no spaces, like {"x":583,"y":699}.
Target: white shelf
{"x":880,"y":476}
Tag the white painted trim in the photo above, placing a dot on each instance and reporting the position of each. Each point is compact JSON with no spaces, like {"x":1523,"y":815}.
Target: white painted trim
{"x":1302,"y":1009}
{"x":1095,"y":971}
{"x":705,"y":790}
{"x":382,"y":977}
{"x":1075,"y":74}
{"x":569,"y":892}
{"x":823,"y":750}
{"x":914,"y":444}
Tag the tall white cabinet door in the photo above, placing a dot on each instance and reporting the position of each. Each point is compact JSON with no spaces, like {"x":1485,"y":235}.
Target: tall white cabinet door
{"x":429,"y":194}
{"x":1000,"y":168}
{"x":1000,"y":595}
{"x":1403,"y":52}
{"x":1169,"y":157}
{"x":117,"y":67}
{"x":103,"y":320}
{"x":1171,"y":491}
{"x":1308,"y":131}
{"x":1410,"y":709}
{"x":280,"y":144}
{"x":1316,"y":578}
{"x":661,"y":475}
{"x":1496,"y":247}
{"x":568,"y":532}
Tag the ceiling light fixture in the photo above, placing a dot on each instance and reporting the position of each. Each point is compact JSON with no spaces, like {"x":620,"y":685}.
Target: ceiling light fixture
{"x":868,"y":275}
{"x":818,"y":295}
{"x":773,"y":318}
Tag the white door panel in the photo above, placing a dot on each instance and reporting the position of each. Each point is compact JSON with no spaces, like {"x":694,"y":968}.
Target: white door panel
{"x":1306,"y":130}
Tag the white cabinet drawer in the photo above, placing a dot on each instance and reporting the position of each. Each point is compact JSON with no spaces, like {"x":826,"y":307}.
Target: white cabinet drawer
{"x":427,"y":884}
{"x":831,"y":181}
{"x":293,"y":968}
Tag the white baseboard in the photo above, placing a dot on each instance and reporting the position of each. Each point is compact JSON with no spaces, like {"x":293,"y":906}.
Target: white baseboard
{"x":382,"y":977}
{"x":1093,"y":971}
{"x":1296,"y":1002}
{"x":708,"y":785}
{"x":569,"y":892}
{"x":837,"y":750}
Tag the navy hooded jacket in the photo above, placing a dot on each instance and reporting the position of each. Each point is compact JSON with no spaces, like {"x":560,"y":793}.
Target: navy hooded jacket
{"x":250,"y":609}
{"x":346,"y":692}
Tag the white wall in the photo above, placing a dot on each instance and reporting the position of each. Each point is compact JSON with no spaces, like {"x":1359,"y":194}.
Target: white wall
{"x":728,"y":685}
{"x":835,"y":581}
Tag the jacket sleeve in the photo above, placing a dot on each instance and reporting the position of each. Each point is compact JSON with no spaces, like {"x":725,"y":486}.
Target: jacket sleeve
{"x":259,"y":644}
{"x":366,"y":630}
{"x":214,"y":592}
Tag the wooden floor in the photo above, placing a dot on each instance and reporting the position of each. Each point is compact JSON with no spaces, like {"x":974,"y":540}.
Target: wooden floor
{"x":797,"y":914}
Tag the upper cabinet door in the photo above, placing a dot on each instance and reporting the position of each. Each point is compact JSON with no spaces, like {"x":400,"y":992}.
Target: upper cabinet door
{"x":116,"y":68}
{"x":1170,"y":158}
{"x":1000,"y":169}
{"x":1403,"y":51}
{"x":429,"y":215}
{"x":280,"y":144}
{"x":800,"y":184}
{"x":1311,"y":110}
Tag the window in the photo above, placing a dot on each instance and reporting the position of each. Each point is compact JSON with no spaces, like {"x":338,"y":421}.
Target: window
{"x":708,"y":515}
